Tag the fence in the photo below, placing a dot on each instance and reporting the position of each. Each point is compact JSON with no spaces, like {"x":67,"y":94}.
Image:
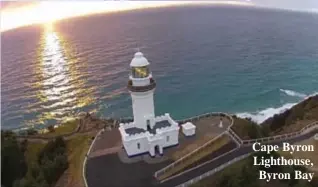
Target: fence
{"x":195,"y":118}
{"x":235,"y":137}
{"x":200,"y":165}
{"x":306,"y":129}
{"x":303,"y":131}
{"x":87,"y":154}
{"x":211,"y":172}
{"x":197,"y":151}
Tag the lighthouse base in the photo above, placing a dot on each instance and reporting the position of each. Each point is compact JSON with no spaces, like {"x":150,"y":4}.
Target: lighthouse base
{"x":137,"y":141}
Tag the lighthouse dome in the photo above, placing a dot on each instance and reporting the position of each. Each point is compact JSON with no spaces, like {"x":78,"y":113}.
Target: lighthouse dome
{"x":139,"y":60}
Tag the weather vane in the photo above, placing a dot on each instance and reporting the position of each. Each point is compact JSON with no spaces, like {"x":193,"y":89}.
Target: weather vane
{"x":138,"y":48}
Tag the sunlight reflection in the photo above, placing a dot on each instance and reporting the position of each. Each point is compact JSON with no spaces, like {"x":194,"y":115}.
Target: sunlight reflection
{"x":60,"y":91}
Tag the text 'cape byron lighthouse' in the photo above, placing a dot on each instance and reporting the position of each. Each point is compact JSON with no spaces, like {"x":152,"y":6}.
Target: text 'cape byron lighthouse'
{"x":148,"y":133}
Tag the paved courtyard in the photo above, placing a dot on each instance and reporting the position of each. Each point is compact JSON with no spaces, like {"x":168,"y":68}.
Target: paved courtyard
{"x":108,"y":164}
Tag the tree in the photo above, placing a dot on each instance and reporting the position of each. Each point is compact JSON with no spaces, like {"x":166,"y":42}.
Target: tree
{"x":51,"y":128}
{"x":248,"y":176}
{"x":13,"y":165}
{"x":254,"y":131}
{"x":31,"y":132}
{"x":53,"y":161}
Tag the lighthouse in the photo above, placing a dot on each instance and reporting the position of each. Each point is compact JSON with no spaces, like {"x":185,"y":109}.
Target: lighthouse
{"x":148,"y":133}
{"x":141,"y":86}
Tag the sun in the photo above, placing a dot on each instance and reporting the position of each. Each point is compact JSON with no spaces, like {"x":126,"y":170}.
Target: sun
{"x":48,"y":11}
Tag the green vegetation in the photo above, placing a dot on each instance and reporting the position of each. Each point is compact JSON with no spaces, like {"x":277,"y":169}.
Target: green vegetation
{"x":247,"y":129}
{"x":295,"y":118}
{"x":13,"y":164}
{"x":45,"y":167}
{"x":32,"y":152}
{"x":42,"y":163}
{"x":306,"y":154}
{"x":291,"y":120}
{"x":65,"y":128}
{"x":244,"y":173}
{"x":209,"y":148}
{"x":76,"y":150}
{"x":38,"y":164}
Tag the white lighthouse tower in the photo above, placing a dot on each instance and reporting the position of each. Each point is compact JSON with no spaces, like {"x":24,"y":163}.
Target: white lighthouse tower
{"x":141,"y":87}
{"x":147,"y":133}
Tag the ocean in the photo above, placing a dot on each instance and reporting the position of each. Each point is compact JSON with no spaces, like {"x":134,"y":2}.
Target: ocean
{"x":246,"y":61}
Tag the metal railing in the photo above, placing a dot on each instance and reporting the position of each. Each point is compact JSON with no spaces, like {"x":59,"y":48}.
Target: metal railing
{"x":303,"y":131}
{"x":145,"y":88}
{"x":211,"y":172}
{"x":87,"y":154}
{"x":195,"y":118}
{"x":235,"y":137}
{"x":200,"y":165}
{"x":199,"y":149}
{"x":282,"y":136}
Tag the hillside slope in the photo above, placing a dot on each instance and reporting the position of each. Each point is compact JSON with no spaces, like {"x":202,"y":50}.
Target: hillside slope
{"x":295,"y":118}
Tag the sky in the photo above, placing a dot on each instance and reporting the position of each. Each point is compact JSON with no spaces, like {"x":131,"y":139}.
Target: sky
{"x":301,"y":5}
{"x":17,"y":14}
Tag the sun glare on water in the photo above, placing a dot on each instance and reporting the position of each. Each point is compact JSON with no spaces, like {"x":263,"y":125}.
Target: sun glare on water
{"x":47,"y":11}
{"x":60,"y":90}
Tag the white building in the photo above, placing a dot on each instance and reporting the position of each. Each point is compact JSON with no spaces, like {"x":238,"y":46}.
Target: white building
{"x":188,"y":129}
{"x":147,"y":133}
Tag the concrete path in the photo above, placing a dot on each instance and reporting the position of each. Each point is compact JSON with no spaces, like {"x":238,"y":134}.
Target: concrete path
{"x":102,"y":171}
{"x":241,"y":151}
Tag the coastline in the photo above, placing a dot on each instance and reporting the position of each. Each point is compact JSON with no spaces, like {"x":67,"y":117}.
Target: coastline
{"x":257,"y":117}
{"x":262,"y":115}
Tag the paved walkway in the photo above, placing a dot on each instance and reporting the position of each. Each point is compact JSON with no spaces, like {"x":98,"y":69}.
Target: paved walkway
{"x":106,"y":170}
{"x":239,"y":152}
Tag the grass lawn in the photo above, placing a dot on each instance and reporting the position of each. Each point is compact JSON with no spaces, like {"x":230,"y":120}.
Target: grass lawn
{"x":77,"y":148}
{"x":64,"y":128}
{"x":305,"y":155}
{"x":294,"y":127}
{"x":191,"y":147}
{"x":211,"y":147}
{"x":212,"y":180}
{"x":242,"y":127}
{"x":32,"y":152}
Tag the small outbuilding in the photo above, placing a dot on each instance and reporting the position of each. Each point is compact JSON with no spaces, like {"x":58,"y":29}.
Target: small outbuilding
{"x":188,"y":129}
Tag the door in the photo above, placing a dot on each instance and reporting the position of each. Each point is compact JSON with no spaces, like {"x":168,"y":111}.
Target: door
{"x":157,"y":150}
{"x":148,"y":125}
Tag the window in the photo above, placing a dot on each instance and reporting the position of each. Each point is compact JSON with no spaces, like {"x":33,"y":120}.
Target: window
{"x":168,"y":138}
{"x":140,"y":72}
{"x":138,"y":145}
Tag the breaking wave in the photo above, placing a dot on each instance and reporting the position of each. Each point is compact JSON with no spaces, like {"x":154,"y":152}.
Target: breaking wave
{"x":293,"y":93}
{"x":262,"y":115}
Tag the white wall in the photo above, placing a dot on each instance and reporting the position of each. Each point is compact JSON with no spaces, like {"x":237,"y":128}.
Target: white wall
{"x":172,"y":132}
{"x":143,"y":107}
{"x":153,"y":141}
{"x":188,"y":132}
{"x":132,"y":148}
{"x":173,"y":137}
{"x":147,"y":140}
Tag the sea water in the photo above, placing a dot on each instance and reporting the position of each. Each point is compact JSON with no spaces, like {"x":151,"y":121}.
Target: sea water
{"x":246,"y":61}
